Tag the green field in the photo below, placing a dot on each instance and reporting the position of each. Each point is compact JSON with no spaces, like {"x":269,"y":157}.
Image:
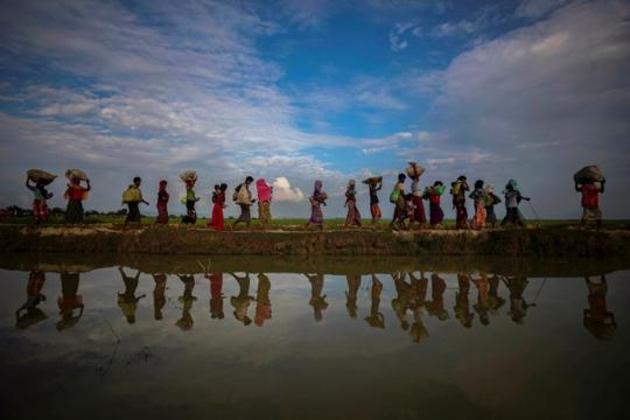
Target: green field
{"x":292,"y":223}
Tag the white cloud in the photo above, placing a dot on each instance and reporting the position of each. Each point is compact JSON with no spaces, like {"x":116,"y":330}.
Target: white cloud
{"x":282,"y":191}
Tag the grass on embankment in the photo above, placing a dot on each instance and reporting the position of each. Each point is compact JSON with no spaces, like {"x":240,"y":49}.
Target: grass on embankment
{"x":291,"y":224}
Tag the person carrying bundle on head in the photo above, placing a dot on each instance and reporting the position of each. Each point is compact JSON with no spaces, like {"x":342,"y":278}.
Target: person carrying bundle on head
{"x":374,"y":184}
{"x":41,"y":180}
{"x":75,"y":194}
{"x":590,"y":182}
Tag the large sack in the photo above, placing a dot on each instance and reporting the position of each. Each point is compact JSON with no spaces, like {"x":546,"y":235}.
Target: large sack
{"x":131,"y":195}
{"x":414,"y":170}
{"x":188,"y":176}
{"x":76,"y":173}
{"x":39,"y":175}
{"x":373,"y":180}
{"x":590,"y":173}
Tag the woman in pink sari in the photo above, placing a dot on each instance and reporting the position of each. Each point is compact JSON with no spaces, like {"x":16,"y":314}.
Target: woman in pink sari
{"x":264,"y":202}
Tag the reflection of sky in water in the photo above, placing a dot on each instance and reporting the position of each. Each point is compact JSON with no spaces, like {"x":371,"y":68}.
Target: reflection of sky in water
{"x":339,"y":366}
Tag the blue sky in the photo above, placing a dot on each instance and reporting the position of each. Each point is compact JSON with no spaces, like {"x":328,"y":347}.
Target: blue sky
{"x":299,"y":90}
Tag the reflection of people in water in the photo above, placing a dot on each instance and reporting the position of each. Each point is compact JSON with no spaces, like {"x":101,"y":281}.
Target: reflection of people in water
{"x":159,"y":300}
{"x":263,"y":302}
{"x":354,"y":283}
{"x":419,"y":287}
{"x":402,"y":301}
{"x":436,"y":306}
{"x":495,"y":302}
{"x":318,"y":301}
{"x":34,"y":297}
{"x":376,"y":318}
{"x":462,"y":306}
{"x":127,"y":301}
{"x":216,"y":295}
{"x":596,"y":318}
{"x":242,"y":301}
{"x":518,"y":305}
{"x":482,"y":307}
{"x":185,"y":323}
{"x":69,"y":301}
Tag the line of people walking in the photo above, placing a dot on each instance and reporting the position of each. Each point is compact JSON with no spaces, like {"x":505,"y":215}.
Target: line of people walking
{"x":409,"y":209}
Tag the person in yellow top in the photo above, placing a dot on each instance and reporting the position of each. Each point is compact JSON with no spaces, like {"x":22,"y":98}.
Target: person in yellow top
{"x":133,"y":197}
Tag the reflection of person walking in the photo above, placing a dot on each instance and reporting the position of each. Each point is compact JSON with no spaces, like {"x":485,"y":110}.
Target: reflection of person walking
{"x":597,"y":318}
{"x":263,"y":302}
{"x":127,"y":301}
{"x":159,"y":300}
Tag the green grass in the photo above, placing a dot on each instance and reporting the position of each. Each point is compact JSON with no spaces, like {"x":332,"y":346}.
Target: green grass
{"x":289,"y":223}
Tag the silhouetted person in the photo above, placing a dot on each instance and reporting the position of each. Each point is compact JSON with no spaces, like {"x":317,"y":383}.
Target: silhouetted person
{"x":596,"y":318}
{"x":127,"y":301}
{"x":159,"y":300}
{"x":34,"y":296}
{"x":482,"y":307}
{"x":436,"y":306}
{"x":242,"y":301}
{"x":263,"y":302}
{"x":69,"y":301}
{"x":419,"y":288}
{"x":376,"y":318}
{"x":216,"y":295}
{"x":354,"y":283}
{"x":462,"y":305}
{"x":318,"y":301}
{"x":518,"y":305}
{"x":185,"y":323}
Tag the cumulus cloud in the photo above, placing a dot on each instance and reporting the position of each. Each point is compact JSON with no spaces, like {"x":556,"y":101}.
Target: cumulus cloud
{"x":282,"y":191}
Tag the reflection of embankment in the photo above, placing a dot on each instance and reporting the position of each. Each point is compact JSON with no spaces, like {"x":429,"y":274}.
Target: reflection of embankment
{"x":180,"y":264}
{"x":547,"y":242}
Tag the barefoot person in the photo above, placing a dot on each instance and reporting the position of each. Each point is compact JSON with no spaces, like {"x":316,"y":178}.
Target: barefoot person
{"x":243,"y":198}
{"x":491,"y":200}
{"x":458,"y":191}
{"x":218,"y":204}
{"x":265,"y":192}
{"x":513,"y":198}
{"x":479,"y":198}
{"x":318,"y":199}
{"x":162,"y":203}
{"x":375,"y":209}
{"x":353,"y":218}
{"x":590,"y":201}
{"x":75,"y":194}
{"x":434,"y":195}
{"x":133,"y":197}
{"x":40,"y":207}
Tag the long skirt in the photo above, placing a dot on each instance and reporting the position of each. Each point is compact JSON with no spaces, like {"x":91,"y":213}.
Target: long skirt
{"x":461,"y":221}
{"x":419,"y":215}
{"x":40,"y":211}
{"x":375,"y":210}
{"x":133,"y":216}
{"x":217,"y":217}
{"x":264,"y":213}
{"x":74,"y":211}
{"x":162,"y":217}
{"x":246,"y":215}
{"x":317,"y":216}
{"x":191,"y":213}
{"x":480,"y":215}
{"x":437,"y":215}
{"x":491,"y":217}
{"x":353,"y":218}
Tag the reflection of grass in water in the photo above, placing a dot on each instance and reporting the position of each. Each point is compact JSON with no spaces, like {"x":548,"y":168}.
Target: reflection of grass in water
{"x":332,"y":223}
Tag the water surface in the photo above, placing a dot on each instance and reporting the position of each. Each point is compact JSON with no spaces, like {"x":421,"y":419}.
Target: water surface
{"x":345,"y":338}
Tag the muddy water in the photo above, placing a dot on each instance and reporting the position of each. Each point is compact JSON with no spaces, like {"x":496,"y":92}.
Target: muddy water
{"x":351,"y":338}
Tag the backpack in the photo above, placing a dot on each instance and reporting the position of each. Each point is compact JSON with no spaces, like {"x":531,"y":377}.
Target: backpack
{"x":394,"y":196}
{"x":236,"y":191}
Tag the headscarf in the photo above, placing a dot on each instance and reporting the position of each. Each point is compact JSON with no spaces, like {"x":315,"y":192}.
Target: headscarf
{"x":264,"y":190}
{"x":163,"y":185}
{"x":317,"y":189}
{"x":513,"y":183}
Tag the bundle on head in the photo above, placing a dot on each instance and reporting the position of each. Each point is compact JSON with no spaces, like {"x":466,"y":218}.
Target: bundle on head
{"x":591,"y":173}
{"x":76,"y":174}
{"x":39,"y":176}
{"x":373,"y":180}
{"x":414,"y":170}
{"x":188,"y":176}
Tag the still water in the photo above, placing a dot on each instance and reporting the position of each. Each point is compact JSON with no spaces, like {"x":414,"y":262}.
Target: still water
{"x":352,"y":338}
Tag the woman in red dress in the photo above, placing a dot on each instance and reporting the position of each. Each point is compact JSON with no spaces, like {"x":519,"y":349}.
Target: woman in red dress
{"x":218,"y":201}
{"x":162,"y":203}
